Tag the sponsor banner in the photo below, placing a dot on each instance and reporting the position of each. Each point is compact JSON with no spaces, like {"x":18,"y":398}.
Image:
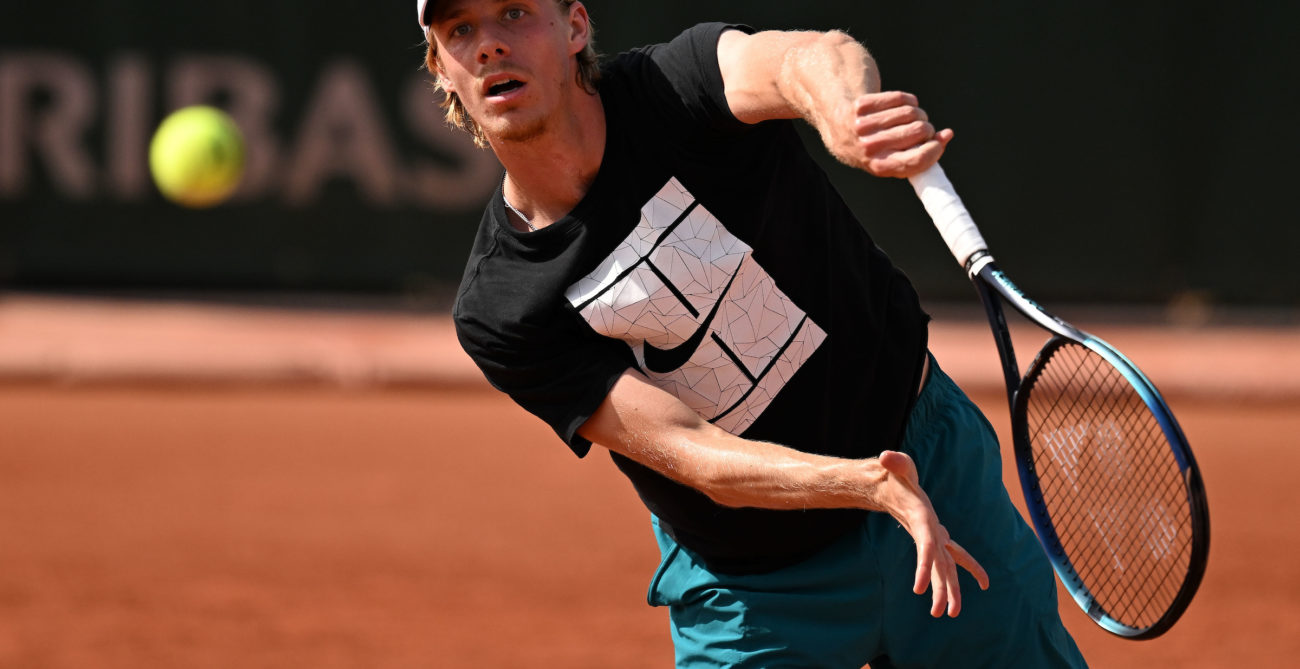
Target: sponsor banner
{"x":1147,"y":143}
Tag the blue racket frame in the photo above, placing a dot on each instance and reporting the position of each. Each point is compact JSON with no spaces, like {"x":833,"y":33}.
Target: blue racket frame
{"x":993,"y":287}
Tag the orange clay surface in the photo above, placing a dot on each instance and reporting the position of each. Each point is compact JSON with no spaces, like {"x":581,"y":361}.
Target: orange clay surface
{"x":312,"y":527}
{"x":198,"y":486}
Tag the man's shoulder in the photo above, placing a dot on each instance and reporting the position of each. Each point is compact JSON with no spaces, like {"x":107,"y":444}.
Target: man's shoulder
{"x":698,"y":40}
{"x":678,"y":82}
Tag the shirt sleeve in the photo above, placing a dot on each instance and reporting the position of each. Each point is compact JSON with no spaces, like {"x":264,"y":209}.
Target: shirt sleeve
{"x":684,"y":77}
{"x":546,"y":363}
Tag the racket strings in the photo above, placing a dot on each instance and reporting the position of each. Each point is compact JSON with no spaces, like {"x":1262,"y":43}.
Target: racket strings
{"x":1112,"y":556}
{"x":1110,"y":484}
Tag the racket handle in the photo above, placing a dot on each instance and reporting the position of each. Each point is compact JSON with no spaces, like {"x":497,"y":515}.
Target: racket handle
{"x":949,"y":214}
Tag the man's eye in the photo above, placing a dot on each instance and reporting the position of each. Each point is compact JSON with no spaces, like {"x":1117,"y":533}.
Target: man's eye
{"x":514,"y":14}
{"x":460,"y":30}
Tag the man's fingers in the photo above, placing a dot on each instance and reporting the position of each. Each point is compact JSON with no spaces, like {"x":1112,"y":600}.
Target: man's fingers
{"x":889,"y":118}
{"x":946,"y":593}
{"x":941,"y":571}
{"x":938,"y":571}
{"x":898,"y":138}
{"x":908,"y":162}
{"x":969,"y":563}
{"x":954,"y":595}
{"x":894,"y":136}
{"x":924,"y":564}
{"x":939,"y":594}
{"x":874,"y":102}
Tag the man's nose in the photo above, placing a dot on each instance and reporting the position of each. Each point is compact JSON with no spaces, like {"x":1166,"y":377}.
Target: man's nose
{"x":492,"y":48}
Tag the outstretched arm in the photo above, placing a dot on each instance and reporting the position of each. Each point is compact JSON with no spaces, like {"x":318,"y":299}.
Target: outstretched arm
{"x":829,"y":80}
{"x":646,"y":424}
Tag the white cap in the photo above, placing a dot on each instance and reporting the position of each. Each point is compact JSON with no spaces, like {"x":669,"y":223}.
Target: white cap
{"x":424,"y":25}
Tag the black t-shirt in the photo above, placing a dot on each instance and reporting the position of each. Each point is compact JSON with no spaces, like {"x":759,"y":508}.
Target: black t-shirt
{"x":716,"y":258}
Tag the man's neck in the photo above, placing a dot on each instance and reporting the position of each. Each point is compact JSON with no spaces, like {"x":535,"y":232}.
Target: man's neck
{"x":549,"y":174}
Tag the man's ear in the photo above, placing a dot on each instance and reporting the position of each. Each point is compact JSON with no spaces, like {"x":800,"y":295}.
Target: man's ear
{"x":444,"y":82}
{"x":579,"y":28}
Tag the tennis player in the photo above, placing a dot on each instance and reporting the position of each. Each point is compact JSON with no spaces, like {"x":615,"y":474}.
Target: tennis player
{"x":665,"y":272}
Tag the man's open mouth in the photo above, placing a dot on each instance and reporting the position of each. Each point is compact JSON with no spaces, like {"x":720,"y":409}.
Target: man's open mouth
{"x":504,"y":87}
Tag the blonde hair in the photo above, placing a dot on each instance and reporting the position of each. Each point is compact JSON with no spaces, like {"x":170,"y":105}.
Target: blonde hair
{"x":454,"y":110}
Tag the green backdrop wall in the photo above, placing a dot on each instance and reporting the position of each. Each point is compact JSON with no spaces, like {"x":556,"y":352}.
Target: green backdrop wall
{"x":1149,"y":139}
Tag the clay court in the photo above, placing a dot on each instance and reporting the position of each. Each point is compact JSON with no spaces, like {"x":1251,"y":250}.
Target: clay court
{"x":187,"y":486}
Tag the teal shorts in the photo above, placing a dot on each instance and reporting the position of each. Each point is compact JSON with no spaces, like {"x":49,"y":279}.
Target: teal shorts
{"x":852,"y":603}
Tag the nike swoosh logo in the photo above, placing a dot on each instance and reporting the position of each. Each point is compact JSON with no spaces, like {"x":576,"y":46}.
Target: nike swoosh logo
{"x":664,"y":361}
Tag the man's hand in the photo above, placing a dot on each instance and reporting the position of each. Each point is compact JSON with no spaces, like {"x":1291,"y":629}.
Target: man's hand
{"x":937,"y":555}
{"x":643,"y":422}
{"x":886,"y":134}
{"x":829,"y":80}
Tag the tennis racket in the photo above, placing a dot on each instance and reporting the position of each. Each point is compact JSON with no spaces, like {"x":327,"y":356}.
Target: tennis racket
{"x":1108,"y":477}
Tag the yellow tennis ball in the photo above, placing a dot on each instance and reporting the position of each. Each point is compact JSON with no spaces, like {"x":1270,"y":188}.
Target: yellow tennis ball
{"x":197,"y":156}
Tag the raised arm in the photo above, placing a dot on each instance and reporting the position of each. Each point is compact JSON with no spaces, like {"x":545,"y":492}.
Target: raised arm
{"x":829,"y":80}
{"x":646,"y":424}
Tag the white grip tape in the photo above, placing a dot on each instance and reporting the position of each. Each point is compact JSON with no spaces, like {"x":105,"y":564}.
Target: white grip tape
{"x":949,"y":214}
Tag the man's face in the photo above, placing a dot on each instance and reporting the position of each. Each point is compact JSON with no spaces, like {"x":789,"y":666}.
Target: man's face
{"x":510,"y":61}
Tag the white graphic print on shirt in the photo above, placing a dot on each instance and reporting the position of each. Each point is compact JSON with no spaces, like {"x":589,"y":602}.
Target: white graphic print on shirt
{"x":705,"y":321}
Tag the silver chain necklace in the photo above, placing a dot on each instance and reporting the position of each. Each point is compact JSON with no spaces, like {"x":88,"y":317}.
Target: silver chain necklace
{"x":511,"y":207}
